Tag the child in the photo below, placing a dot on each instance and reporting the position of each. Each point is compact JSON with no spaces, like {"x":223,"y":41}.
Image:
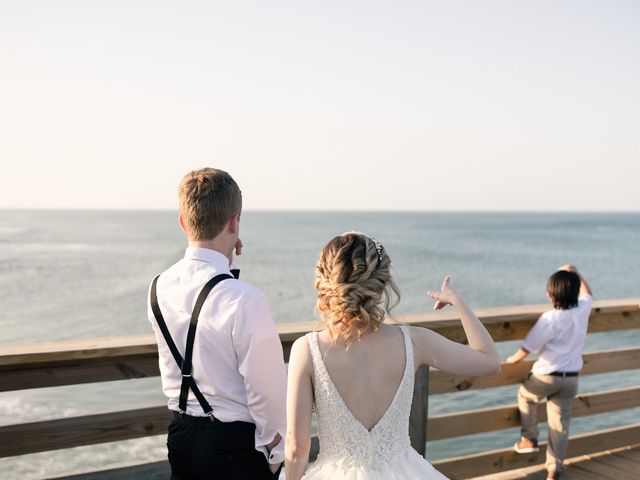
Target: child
{"x":559,"y":336}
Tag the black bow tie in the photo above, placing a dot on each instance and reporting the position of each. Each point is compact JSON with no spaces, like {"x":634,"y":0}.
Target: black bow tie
{"x":235,"y":272}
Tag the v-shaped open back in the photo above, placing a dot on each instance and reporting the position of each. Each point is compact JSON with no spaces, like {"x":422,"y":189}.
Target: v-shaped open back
{"x":324,"y":371}
{"x":347,"y":448}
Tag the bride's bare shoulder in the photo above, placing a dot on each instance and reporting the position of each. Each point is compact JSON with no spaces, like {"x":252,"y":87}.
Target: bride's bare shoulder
{"x":300,"y":352}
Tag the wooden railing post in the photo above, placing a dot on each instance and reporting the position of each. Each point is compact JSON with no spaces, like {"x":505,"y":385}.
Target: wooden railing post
{"x":420,"y":410}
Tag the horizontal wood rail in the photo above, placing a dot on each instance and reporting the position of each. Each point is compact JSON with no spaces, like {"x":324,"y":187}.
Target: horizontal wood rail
{"x":75,"y":372}
{"x":594,"y":362}
{"x":468,"y":466}
{"x":50,"y":364}
{"x":45,"y":435}
{"x":482,"y":420}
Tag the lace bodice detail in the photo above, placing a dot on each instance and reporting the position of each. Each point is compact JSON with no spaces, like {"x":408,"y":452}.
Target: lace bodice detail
{"x":342,"y":436}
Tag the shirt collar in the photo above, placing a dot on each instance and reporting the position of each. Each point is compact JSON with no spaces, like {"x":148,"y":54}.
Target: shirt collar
{"x":217,"y":259}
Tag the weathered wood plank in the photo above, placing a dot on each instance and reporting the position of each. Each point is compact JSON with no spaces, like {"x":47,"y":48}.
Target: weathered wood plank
{"x":618,"y":462}
{"x":536,"y":472}
{"x":633,"y":455}
{"x":498,"y":418}
{"x":79,"y":349}
{"x":513,"y":323}
{"x":594,"y":362}
{"x":60,"y":433}
{"x":579,"y":472}
{"x":72,"y":372}
{"x":607,"y":469}
{"x":24,"y":438}
{"x":504,"y":323}
{"x":486,"y":463}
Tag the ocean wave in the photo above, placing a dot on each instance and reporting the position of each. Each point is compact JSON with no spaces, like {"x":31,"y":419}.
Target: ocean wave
{"x":30,"y":247}
{"x":16,"y":409}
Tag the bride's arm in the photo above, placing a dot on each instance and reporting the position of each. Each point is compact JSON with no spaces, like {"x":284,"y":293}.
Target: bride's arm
{"x":480,"y":357}
{"x":299,"y":408}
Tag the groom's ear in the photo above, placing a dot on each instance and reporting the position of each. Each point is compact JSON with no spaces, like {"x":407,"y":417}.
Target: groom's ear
{"x":182,"y":223}
{"x":234,"y":224}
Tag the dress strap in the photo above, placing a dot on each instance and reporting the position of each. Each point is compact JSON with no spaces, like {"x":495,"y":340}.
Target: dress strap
{"x":408,"y":346}
{"x":320,"y":372}
{"x":316,"y":356}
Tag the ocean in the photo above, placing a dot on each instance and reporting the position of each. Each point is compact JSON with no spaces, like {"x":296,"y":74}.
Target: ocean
{"x":84,"y":274}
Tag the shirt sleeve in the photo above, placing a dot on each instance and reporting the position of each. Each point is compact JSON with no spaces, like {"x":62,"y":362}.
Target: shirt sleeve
{"x":261,"y":364}
{"x":150,"y":316}
{"x":585,"y":302}
{"x":539,"y":335}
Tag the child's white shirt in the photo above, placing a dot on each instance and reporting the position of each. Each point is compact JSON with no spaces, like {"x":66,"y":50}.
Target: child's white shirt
{"x":559,"y":335}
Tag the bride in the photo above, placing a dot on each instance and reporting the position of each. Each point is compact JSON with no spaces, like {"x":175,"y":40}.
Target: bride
{"x":358,"y":371}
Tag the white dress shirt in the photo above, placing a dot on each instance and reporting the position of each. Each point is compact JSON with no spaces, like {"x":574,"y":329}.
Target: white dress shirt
{"x":237,"y":356}
{"x":560,"y":336}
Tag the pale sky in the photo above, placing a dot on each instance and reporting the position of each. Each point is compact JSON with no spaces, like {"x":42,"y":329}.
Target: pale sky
{"x":326,"y":105}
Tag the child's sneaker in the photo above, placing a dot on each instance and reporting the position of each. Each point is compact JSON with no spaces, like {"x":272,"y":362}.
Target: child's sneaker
{"x":526,"y":445}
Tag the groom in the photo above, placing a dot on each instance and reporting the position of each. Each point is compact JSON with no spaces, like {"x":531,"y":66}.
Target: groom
{"x":220,"y":356}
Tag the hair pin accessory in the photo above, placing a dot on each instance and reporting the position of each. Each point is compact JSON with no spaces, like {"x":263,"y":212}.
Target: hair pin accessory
{"x":378,"y":248}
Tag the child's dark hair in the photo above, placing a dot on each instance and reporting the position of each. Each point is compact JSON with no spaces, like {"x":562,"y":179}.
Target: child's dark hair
{"x":564,"y":287}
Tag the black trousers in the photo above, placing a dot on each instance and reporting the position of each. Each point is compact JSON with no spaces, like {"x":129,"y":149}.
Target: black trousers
{"x":203,"y":450}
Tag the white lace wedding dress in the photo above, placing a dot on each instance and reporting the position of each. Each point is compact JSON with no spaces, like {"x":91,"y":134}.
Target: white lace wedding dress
{"x":348,"y":451}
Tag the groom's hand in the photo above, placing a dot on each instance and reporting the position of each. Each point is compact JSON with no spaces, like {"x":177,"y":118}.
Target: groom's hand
{"x":274,"y":442}
{"x":273,"y":466}
{"x":237,"y":249}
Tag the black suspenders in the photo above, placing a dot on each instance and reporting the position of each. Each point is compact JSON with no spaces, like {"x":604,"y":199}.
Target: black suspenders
{"x":185,"y":364}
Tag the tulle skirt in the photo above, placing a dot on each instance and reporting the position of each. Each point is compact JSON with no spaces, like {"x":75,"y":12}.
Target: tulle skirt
{"x":402,"y":467}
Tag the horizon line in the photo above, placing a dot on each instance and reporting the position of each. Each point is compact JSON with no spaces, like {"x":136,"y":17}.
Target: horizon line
{"x":312,"y":210}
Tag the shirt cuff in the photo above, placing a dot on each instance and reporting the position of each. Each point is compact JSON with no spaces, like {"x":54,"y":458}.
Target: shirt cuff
{"x":276,"y":455}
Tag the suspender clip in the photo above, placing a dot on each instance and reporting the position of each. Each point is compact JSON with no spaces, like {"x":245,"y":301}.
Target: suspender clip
{"x":186,"y":376}
{"x":211,"y":417}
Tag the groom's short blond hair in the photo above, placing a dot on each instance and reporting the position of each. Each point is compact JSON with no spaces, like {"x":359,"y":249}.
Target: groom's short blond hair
{"x":208,"y":199}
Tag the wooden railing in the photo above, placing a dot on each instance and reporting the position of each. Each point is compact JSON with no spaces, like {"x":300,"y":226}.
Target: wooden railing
{"x":117,"y":358}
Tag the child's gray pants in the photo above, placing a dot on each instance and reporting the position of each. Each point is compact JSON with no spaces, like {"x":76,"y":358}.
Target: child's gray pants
{"x":560,"y":392}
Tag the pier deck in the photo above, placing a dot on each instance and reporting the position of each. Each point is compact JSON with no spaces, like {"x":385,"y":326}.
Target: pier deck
{"x":621,"y":464}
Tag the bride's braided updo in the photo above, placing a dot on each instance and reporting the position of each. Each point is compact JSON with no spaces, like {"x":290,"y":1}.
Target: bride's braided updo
{"x":353,"y":280}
